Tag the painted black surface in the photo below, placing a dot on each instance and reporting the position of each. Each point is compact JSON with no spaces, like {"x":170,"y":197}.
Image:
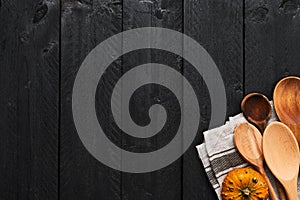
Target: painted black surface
{"x":42,"y":45}
{"x":29,"y":85}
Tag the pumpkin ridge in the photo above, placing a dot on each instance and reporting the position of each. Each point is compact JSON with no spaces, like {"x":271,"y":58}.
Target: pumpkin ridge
{"x":244,"y":184}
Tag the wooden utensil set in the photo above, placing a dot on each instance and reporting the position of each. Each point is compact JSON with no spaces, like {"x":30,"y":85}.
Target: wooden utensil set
{"x":279,"y":143}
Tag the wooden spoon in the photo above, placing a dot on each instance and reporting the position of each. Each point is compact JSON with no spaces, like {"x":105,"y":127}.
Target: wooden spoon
{"x":287,"y":103}
{"x":257,"y":110}
{"x":281,"y":152}
{"x":248,"y":141}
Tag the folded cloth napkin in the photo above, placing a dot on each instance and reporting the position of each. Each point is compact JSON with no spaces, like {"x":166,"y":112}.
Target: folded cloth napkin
{"x":219,"y":155}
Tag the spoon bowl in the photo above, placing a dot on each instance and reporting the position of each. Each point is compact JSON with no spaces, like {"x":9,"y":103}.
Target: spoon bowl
{"x":281,"y":152}
{"x":287,"y":103}
{"x":257,"y":110}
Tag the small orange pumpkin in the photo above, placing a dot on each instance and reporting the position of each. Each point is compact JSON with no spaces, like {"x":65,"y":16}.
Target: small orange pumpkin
{"x":244,"y":184}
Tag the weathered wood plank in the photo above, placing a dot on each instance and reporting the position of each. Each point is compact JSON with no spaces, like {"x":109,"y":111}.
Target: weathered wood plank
{"x":85,"y":24}
{"x":218,"y":27}
{"x":272,"y":43}
{"x":29,"y":77}
{"x":165,"y":183}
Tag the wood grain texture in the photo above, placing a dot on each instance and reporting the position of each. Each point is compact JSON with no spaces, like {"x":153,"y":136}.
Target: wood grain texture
{"x":272,"y":43}
{"x":217,"y":26}
{"x":287,"y":105}
{"x":85,"y":24}
{"x":29,"y":74}
{"x":283,"y":161}
{"x":255,"y":42}
{"x":164,"y":183}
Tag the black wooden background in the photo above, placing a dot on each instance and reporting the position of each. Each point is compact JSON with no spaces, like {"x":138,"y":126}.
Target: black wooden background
{"x":42,"y":45}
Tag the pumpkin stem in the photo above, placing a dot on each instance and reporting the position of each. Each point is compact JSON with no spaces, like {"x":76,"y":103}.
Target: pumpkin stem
{"x":246,"y":192}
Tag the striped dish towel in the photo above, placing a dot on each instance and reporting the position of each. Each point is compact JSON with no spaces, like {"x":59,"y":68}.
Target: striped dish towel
{"x":219,"y":155}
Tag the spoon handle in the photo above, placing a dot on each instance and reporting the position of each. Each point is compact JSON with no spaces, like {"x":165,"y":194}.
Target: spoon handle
{"x":281,"y":191}
{"x":261,"y":125}
{"x":291,"y":190}
{"x":272,"y":192}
